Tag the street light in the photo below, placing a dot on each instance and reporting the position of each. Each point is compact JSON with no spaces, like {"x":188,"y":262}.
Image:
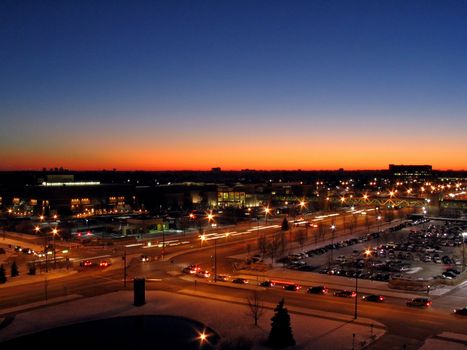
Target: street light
{"x":302,"y":205}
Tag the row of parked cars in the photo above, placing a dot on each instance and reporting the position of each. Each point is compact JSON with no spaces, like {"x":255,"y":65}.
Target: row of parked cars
{"x":422,"y":302}
{"x":295,"y":261}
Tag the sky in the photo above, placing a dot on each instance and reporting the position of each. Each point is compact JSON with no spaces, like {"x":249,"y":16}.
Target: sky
{"x":191,"y":85}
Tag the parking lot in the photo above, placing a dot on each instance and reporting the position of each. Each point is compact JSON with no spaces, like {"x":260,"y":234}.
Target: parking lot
{"x":414,"y":250}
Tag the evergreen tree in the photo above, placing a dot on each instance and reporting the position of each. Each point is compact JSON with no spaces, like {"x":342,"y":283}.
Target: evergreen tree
{"x":285,"y":224}
{"x":14,"y":269}
{"x":281,"y":332}
{"x":2,"y":275}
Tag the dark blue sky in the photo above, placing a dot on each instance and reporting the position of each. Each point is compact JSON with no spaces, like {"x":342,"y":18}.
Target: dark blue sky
{"x":388,"y":77}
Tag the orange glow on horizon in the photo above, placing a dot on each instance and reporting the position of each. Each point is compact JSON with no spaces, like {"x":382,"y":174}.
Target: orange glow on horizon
{"x":264,"y":154}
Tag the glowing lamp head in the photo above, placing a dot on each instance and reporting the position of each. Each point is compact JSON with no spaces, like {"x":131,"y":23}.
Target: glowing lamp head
{"x":203,"y":337}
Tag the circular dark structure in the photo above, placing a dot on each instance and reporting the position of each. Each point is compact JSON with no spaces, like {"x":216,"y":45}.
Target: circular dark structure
{"x":129,"y":332}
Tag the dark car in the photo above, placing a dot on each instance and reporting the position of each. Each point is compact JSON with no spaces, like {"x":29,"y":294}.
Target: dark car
{"x":27,"y":250}
{"x":267,"y":284}
{"x":345,"y":293}
{"x":105,"y":263}
{"x":318,"y":290}
{"x":461,"y":311}
{"x":86,"y":263}
{"x":240,"y":281}
{"x":292,"y":287}
{"x":419,"y":302}
{"x":374,"y":298}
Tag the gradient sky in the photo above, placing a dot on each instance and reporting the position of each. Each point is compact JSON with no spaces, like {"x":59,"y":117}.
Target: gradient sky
{"x":158,"y":85}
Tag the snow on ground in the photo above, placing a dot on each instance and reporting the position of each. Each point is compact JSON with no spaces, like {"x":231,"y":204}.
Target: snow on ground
{"x":436,"y":344}
{"x":229,"y":319}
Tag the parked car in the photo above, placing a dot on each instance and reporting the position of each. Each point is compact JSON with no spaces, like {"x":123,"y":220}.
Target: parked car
{"x":222,"y":278}
{"x":292,"y":287}
{"x":318,"y":290}
{"x":27,"y":250}
{"x":104,"y":263}
{"x":203,"y":274}
{"x":191,"y":269}
{"x":267,"y":284}
{"x":240,"y":281}
{"x":419,"y":302}
{"x":374,"y":298}
{"x":461,"y":311}
{"x":345,"y":293}
{"x":86,"y":263}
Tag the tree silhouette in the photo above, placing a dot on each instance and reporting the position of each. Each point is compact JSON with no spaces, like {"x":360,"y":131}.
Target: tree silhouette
{"x":255,"y":307}
{"x":2,"y":275}
{"x":262,"y":245}
{"x":14,"y":269}
{"x":281,"y":332}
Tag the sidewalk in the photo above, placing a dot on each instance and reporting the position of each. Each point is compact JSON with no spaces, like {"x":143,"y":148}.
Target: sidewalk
{"x":310,"y":332}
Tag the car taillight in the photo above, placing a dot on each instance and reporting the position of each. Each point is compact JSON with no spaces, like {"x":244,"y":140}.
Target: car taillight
{"x":428,"y":303}
{"x":381,"y":298}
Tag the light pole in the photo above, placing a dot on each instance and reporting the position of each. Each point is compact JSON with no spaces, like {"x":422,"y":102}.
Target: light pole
{"x":163,"y":241}
{"x":267,"y":210}
{"x":379,"y":230}
{"x":464,"y":236}
{"x":124,"y":266}
{"x":333,"y":230}
{"x":215,"y":260}
{"x":302,"y":205}
{"x":37,"y":229}
{"x":54,"y":232}
{"x":210,"y":219}
{"x":356,"y":295}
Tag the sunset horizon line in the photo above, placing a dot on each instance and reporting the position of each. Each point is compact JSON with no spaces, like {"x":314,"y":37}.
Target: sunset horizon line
{"x":58,"y":169}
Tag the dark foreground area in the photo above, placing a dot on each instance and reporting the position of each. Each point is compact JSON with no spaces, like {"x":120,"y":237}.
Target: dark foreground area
{"x":131,"y":332}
